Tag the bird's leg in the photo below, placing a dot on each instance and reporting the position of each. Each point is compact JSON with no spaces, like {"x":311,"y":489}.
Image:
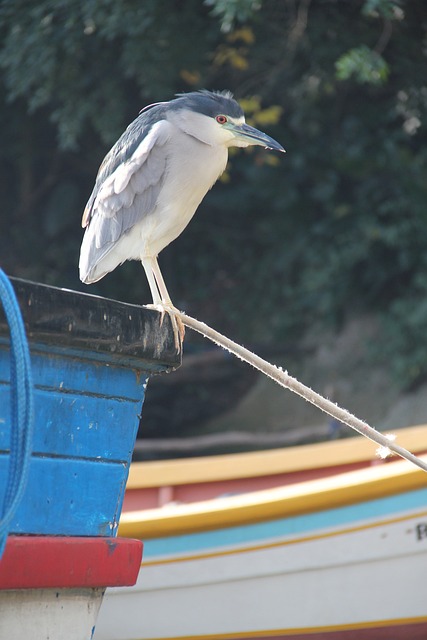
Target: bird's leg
{"x":177,"y":324}
{"x":160,"y":282}
{"x":155,"y":294}
{"x":161,"y":298}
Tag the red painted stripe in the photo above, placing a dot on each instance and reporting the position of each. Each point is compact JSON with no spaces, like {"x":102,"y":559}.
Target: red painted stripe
{"x":408,"y":631}
{"x":64,"y":562}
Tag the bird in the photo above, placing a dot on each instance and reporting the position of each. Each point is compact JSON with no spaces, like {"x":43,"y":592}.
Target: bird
{"x":152,"y":181}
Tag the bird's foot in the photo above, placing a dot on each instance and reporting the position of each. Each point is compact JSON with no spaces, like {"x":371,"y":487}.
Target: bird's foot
{"x":178,"y":327}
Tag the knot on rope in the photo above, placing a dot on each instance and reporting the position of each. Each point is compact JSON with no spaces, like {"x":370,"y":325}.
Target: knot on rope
{"x":21,"y":409}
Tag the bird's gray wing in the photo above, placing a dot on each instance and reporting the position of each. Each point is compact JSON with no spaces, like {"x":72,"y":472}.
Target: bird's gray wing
{"x":126,"y":190}
{"x":124,"y":195}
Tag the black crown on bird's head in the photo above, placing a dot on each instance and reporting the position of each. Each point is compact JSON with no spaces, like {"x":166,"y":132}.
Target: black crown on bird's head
{"x":209,"y":103}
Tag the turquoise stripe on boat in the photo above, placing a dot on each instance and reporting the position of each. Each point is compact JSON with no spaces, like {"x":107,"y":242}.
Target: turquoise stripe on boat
{"x":298,"y":525}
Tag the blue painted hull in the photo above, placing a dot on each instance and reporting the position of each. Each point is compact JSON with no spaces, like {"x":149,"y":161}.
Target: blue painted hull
{"x":87,"y":417}
{"x":91,"y":359}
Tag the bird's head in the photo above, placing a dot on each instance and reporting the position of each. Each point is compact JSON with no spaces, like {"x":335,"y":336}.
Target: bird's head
{"x":216,"y":119}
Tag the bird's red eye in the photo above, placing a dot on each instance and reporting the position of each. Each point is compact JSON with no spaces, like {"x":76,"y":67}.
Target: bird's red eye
{"x":221,"y":119}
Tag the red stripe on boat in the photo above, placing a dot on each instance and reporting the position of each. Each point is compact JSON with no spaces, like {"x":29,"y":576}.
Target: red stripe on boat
{"x":403,"y":631}
{"x":34,"y":562}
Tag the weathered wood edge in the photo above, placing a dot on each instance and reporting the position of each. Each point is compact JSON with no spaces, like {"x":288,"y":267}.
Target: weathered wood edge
{"x":94,"y":327}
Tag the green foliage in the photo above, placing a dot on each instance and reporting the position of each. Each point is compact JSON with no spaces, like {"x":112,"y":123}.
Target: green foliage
{"x":231,"y":11}
{"x":404,"y":344}
{"x":364,"y":65}
{"x":385,"y":8}
{"x":76,"y":58}
{"x":337,"y":226}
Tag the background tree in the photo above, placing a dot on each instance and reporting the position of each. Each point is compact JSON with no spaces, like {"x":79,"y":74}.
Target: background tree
{"x":336,"y":227}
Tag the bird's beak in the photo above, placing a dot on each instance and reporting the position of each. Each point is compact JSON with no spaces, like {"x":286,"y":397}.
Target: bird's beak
{"x":248,"y":135}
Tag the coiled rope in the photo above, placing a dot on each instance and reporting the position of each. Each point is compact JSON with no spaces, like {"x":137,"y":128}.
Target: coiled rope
{"x":21,"y":409}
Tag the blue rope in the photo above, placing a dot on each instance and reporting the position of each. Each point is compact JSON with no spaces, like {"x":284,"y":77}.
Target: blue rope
{"x":21,"y":409}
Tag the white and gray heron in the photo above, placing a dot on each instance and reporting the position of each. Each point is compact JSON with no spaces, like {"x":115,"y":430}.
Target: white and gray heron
{"x":151,"y":182}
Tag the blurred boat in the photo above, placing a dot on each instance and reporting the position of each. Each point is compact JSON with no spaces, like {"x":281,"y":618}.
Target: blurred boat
{"x":320,"y":541}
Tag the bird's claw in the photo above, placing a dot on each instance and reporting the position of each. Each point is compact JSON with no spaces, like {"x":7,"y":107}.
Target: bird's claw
{"x":178,"y":327}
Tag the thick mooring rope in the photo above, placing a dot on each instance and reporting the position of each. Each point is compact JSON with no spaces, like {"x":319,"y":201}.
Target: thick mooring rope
{"x":294,"y":385}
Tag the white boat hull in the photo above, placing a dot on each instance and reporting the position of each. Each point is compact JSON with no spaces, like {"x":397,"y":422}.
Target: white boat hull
{"x":365,"y":575}
{"x":47,"y":614}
